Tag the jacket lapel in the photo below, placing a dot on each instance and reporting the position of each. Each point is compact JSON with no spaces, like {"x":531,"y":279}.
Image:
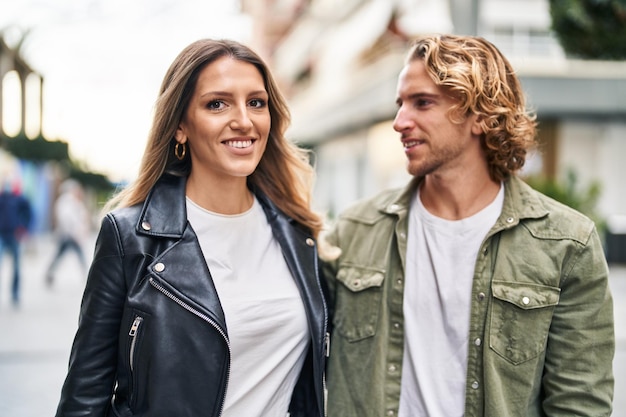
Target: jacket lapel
{"x":181,"y":265}
{"x":300,"y":252}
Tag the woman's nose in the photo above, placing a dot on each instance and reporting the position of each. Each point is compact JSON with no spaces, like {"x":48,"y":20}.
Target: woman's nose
{"x":241,"y":119}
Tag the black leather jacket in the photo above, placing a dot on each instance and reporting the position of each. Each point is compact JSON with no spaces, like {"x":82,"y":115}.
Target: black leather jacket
{"x":152,"y":338}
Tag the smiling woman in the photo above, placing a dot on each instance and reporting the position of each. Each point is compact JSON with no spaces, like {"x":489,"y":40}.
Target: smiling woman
{"x":208,"y":260}
{"x":226,"y":126}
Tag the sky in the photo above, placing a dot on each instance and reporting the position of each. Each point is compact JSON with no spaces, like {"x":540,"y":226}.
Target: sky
{"x":103,"y":62}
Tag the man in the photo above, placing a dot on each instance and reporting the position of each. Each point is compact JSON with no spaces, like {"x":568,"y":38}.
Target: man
{"x":15,"y":217}
{"x":467,"y":293}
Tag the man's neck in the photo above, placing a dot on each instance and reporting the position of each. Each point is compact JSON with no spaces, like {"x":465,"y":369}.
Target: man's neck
{"x":458,"y":197}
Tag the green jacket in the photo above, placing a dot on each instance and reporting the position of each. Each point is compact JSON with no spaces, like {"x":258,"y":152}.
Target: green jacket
{"x":541,"y":333}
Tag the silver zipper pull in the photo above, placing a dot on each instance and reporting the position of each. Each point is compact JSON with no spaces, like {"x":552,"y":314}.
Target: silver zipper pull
{"x":135,"y":326}
{"x":327,"y":343}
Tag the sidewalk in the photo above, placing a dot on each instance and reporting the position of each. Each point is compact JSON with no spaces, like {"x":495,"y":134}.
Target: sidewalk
{"x":36,"y":337}
{"x":35,"y":340}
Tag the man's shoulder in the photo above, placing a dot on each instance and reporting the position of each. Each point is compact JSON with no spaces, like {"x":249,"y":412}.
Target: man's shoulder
{"x":372,"y":209}
{"x":552,"y":217}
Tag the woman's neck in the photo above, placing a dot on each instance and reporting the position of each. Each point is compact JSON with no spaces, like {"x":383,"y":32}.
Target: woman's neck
{"x":224,"y":197}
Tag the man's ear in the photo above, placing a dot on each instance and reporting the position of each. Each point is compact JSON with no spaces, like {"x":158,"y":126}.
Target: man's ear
{"x":477,"y":128}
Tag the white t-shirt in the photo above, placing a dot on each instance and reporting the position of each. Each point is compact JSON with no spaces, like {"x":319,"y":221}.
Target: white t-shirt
{"x":440,"y":262}
{"x":265,"y":316}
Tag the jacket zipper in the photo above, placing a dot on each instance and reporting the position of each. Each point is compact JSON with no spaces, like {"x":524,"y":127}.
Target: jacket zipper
{"x":326,"y":342}
{"x":204,"y":317}
{"x":133,"y":334}
{"x":327,"y":349}
{"x":326,"y":346}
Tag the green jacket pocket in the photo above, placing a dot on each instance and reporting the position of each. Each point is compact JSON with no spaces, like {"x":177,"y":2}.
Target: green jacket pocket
{"x":358,"y":301}
{"x":520,"y":319}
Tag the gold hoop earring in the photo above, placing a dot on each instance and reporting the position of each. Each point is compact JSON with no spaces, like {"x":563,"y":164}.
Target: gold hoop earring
{"x":180,"y":155}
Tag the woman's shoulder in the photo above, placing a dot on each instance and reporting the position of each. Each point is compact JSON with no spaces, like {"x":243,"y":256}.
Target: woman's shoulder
{"x":124,"y":216}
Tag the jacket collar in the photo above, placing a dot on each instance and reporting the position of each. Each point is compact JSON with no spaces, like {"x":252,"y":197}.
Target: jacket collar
{"x":164,"y":213}
{"x":520,"y":201}
{"x":400,"y":202}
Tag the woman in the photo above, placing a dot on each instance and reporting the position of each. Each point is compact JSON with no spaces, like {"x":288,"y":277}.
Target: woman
{"x":203,"y":298}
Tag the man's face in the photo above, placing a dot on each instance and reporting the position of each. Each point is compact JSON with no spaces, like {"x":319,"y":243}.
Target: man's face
{"x":432,"y":142}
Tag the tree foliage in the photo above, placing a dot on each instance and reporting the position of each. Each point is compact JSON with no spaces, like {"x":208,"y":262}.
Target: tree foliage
{"x":591,"y":29}
{"x":96,"y":181}
{"x":38,"y":149}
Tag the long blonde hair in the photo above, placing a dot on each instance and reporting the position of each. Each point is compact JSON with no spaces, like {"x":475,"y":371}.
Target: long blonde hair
{"x":484,"y":81}
{"x":283,"y":174}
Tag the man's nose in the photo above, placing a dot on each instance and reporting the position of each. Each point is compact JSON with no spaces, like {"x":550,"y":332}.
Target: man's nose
{"x":403,"y":120}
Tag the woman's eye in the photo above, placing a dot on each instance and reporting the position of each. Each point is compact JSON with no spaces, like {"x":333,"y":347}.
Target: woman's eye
{"x":215,"y":104}
{"x":258,"y":103}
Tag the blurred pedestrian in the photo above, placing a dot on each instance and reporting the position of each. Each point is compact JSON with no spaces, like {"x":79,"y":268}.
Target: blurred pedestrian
{"x":71,"y":225}
{"x":203,"y":298}
{"x":15,"y":218}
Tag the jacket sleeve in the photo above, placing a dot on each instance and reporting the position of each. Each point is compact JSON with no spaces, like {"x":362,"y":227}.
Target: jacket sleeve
{"x":89,"y":384}
{"x":578,"y":376}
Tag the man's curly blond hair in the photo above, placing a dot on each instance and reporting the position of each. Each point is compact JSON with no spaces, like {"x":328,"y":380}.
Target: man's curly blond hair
{"x":476,"y":73}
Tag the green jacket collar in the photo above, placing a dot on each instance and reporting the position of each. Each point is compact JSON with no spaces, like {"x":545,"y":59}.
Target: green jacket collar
{"x":520,"y":202}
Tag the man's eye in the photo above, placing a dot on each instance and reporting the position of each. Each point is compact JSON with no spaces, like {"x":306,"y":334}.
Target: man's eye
{"x":422,"y":102}
{"x":258,"y":103}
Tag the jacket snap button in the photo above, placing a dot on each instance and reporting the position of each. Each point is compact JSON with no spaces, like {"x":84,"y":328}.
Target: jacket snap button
{"x":310,"y":241}
{"x":145,"y":226}
{"x":510,"y":220}
{"x":159,"y":267}
{"x":525,"y":300}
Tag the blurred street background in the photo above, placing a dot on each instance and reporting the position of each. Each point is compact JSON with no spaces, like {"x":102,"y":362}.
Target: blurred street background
{"x":78,"y":79}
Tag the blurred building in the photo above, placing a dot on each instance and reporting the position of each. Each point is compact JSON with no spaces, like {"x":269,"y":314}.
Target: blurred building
{"x":12,"y":65}
{"x":338,"y":61}
{"x":35,"y":176}
{"x":32,"y":179}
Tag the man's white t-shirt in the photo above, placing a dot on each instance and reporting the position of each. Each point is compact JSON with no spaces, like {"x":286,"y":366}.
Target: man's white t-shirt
{"x":440,"y":262}
{"x":265,"y":316}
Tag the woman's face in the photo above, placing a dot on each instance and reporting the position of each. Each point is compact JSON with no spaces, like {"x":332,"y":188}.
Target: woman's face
{"x":227,"y":123}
